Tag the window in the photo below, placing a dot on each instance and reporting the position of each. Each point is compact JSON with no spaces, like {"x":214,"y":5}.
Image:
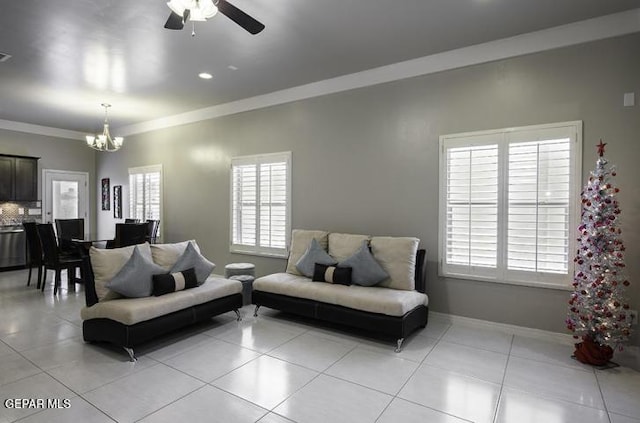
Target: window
{"x":145,"y":193}
{"x":261,"y":204}
{"x":509,"y":204}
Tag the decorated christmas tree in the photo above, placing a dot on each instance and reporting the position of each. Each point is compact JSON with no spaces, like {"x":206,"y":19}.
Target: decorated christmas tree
{"x":598,"y":308}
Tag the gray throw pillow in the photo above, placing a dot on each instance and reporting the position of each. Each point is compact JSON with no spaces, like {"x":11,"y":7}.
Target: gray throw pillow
{"x":191,"y":258}
{"x":366,"y":271}
{"x":135,"y":279}
{"x":314,"y":254}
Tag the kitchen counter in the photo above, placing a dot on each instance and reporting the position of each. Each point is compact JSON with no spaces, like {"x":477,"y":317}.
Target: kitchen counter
{"x":11,"y":229}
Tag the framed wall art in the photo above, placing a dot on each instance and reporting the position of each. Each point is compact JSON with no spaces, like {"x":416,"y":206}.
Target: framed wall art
{"x":117,"y":201}
{"x":106,"y":204}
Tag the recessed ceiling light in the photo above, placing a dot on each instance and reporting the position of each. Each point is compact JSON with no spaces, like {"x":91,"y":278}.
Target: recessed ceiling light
{"x":232,"y":67}
{"x":205,"y":75}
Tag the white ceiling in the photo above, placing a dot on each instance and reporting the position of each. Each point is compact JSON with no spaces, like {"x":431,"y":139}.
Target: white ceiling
{"x":70,"y":56}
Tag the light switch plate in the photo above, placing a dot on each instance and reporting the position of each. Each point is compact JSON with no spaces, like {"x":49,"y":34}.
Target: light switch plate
{"x":629,"y":99}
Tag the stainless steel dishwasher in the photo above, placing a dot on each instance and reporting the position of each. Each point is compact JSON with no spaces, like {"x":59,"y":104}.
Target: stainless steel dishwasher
{"x":12,"y":246}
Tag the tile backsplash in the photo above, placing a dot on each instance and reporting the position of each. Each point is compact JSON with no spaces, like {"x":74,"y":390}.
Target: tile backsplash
{"x":14,"y":213}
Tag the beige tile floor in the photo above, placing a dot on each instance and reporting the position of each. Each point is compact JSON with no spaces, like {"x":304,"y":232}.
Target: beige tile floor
{"x":277,"y":369}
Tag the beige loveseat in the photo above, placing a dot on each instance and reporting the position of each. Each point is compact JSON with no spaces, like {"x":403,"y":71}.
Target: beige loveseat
{"x":395,"y":306}
{"x":110,"y":317}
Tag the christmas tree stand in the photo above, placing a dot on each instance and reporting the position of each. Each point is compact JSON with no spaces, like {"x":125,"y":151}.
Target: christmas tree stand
{"x":590,"y":352}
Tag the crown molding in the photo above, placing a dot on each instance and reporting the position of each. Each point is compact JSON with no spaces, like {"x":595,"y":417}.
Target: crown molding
{"x":600,"y":28}
{"x":40,"y":130}
{"x":561,"y":36}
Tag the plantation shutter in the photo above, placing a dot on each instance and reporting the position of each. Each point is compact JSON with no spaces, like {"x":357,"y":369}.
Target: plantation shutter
{"x":539,"y":201}
{"x":509,"y":202}
{"x":472,"y":205}
{"x":273,"y":204}
{"x":136,"y":195}
{"x":145,"y":192}
{"x":260,"y":204}
{"x":244,"y":207}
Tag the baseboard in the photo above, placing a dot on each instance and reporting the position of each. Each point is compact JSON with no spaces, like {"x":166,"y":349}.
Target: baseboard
{"x":503,"y":327}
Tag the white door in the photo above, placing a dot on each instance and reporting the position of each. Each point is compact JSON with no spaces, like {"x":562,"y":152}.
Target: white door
{"x":65,"y":196}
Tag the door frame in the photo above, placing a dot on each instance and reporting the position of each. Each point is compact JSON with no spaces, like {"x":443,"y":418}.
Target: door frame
{"x":46,"y":193}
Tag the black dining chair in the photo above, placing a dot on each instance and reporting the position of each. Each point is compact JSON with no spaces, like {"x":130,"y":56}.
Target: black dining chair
{"x":152,"y":230}
{"x":33,"y":251}
{"x":68,"y":229}
{"x":55,"y":259}
{"x":129,"y":234}
{"x":127,"y":220}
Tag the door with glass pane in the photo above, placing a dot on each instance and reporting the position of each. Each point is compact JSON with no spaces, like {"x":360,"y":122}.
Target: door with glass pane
{"x":65,"y":196}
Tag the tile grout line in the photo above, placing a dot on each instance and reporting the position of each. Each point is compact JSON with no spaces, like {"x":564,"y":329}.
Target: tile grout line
{"x":504,"y":377}
{"x":604,"y":402}
{"x":78,"y":394}
{"x":395,"y":396}
{"x":117,"y":379}
{"x":170,"y":402}
{"x":310,"y":380}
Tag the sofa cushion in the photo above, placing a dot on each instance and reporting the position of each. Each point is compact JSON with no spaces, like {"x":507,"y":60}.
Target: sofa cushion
{"x":397,"y":256}
{"x":135,"y":279}
{"x":130,"y":311}
{"x":392,"y":302}
{"x":314,"y":254}
{"x":342,"y":246}
{"x":192,"y":259}
{"x":106,"y":263}
{"x":171,"y":282}
{"x":332,"y":274}
{"x":366,"y":270}
{"x":300,"y":240}
{"x":166,"y":255}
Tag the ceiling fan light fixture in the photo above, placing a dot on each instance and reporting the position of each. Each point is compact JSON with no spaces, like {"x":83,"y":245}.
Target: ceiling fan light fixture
{"x":202,"y":10}
{"x":199,"y":10}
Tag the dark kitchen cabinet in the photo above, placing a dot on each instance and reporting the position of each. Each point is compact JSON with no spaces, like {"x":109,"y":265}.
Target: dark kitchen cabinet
{"x":18,"y":178}
{"x":7,"y":174}
{"x":26,"y":181}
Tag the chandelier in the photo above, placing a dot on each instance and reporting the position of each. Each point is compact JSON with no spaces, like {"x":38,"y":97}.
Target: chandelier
{"x":104,"y":142}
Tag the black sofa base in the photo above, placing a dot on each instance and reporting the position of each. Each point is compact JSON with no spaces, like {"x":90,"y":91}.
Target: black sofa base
{"x":128,"y":336}
{"x":394,"y":327}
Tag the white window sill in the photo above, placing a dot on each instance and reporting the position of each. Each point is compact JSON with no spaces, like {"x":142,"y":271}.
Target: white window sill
{"x":247,"y":252}
{"x":531,"y":284}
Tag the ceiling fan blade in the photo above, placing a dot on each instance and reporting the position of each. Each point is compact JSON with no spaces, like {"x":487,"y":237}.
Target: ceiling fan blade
{"x":174,"y":21}
{"x":239,"y":17}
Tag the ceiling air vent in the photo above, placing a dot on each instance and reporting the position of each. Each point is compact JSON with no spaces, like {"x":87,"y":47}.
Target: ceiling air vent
{"x":4,"y":57}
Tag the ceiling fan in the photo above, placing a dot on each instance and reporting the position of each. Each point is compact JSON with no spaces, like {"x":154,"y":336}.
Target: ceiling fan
{"x":202,"y":10}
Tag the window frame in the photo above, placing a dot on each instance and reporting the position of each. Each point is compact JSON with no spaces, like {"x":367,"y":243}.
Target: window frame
{"x":501,"y":274}
{"x":258,"y":250}
{"x":142,"y":170}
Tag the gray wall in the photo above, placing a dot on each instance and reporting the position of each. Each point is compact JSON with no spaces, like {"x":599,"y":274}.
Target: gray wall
{"x":366,"y":161}
{"x":54,"y":153}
